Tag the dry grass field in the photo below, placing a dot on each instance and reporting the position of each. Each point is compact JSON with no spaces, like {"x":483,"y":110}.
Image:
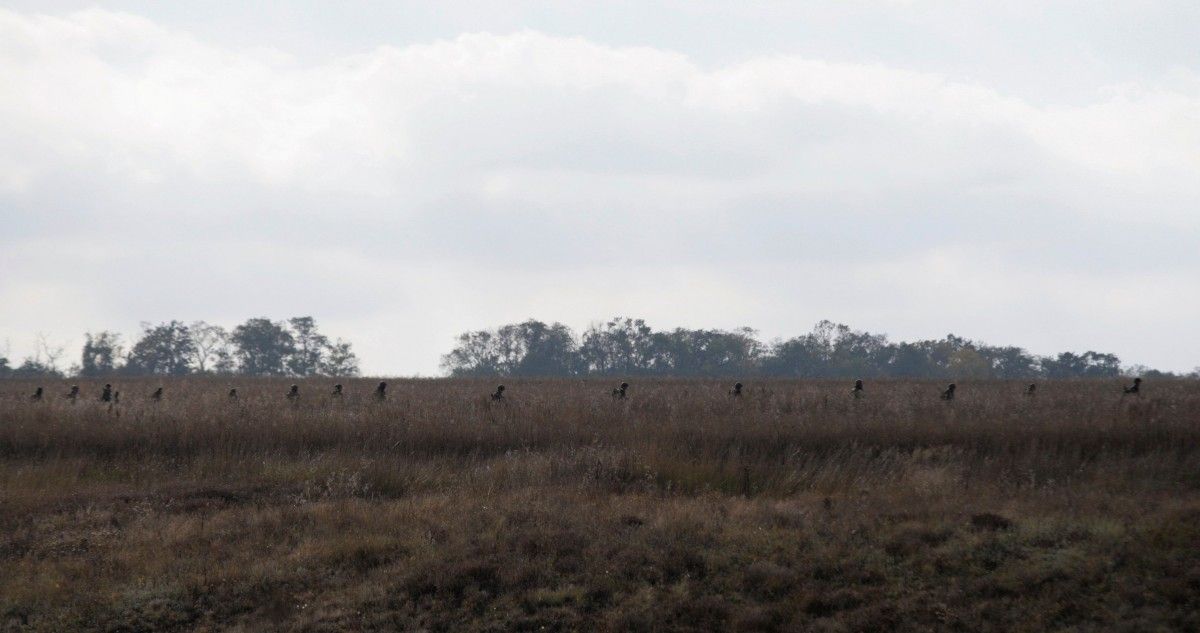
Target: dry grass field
{"x":794,"y":508}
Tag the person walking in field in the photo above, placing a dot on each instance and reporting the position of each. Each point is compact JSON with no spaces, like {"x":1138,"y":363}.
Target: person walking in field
{"x":1135,"y":389}
{"x":857,"y":392}
{"x":233,"y":394}
{"x":948,"y":394}
{"x":157,"y":395}
{"x":381,"y":391}
{"x":619,"y":392}
{"x":337,"y":391}
{"x":736,"y":392}
{"x":1031,"y":390}
{"x":37,"y":395}
{"x":107,"y":394}
{"x":73,"y":394}
{"x":499,"y":395}
{"x":293,"y":394}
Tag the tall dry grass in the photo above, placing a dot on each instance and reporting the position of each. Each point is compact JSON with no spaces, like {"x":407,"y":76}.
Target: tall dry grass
{"x":795,"y":506}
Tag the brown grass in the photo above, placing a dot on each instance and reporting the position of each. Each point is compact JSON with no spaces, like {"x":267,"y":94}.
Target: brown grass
{"x":795,"y":508}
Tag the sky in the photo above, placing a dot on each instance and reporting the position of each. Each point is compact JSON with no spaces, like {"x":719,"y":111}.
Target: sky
{"x":1020,"y":173}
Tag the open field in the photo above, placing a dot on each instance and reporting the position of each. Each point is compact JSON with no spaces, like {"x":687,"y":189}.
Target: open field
{"x":793,"y":508}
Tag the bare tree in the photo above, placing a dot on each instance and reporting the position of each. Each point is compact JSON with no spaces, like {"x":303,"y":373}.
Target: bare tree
{"x":211,"y":344}
{"x":51,"y":353}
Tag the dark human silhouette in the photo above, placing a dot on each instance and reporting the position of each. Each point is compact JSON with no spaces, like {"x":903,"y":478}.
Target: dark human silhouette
{"x":37,"y":395}
{"x":948,"y":394}
{"x":736,"y":392}
{"x":107,"y":394}
{"x":1031,"y":390}
{"x":619,"y":392}
{"x":499,"y":395}
{"x":1134,"y":389}
{"x":157,"y":395}
{"x":293,"y":393}
{"x":381,"y":391}
{"x":857,"y":392}
{"x":337,"y":391}
{"x":73,"y":393}
{"x":233,"y":394}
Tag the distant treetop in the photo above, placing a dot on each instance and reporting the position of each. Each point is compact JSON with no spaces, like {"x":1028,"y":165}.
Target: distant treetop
{"x":258,"y":347}
{"x":629,"y":347}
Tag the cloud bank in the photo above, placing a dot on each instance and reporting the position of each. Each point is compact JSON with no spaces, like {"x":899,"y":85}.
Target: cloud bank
{"x":407,"y":193}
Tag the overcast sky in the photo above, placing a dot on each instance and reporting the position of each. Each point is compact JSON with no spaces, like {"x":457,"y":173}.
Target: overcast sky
{"x":1011,"y":172}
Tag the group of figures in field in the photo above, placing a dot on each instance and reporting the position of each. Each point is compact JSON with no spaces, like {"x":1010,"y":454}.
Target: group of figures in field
{"x":112,"y":397}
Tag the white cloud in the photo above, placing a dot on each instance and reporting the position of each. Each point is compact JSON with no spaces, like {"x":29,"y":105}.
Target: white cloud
{"x":490,"y":177}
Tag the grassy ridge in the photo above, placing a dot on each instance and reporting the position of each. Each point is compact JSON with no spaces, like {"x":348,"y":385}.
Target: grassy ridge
{"x":793,"y":508}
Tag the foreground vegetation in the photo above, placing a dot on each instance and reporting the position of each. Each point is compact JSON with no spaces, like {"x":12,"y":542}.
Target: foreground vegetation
{"x":794,"y":507}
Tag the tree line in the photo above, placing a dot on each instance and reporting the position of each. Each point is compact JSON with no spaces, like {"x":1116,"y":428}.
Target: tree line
{"x":629,"y":347}
{"x":258,"y":347}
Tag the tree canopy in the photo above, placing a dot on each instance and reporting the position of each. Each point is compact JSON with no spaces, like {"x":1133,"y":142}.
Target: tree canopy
{"x":258,"y":347}
{"x":629,"y":347}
